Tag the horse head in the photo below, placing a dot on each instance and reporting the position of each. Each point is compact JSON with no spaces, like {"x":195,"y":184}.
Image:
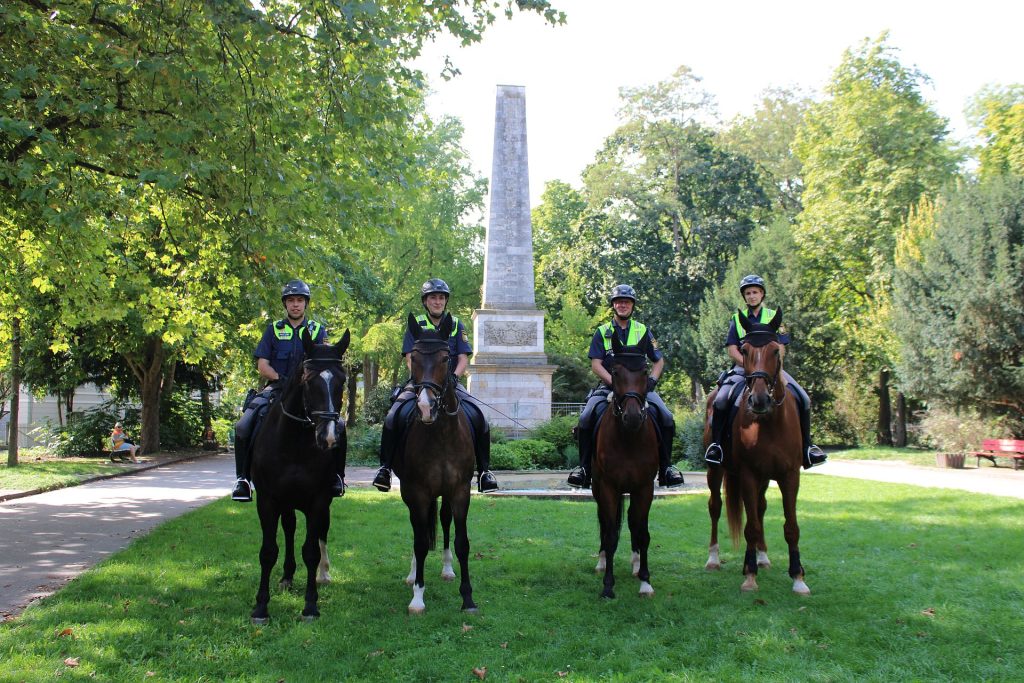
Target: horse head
{"x":762,"y":363}
{"x":431,"y":374}
{"x":629,"y":384}
{"x":323,"y":383}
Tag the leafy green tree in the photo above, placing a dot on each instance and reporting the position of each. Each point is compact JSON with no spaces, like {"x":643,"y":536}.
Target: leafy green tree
{"x":959,"y":309}
{"x":870,"y":152}
{"x":999,"y":113}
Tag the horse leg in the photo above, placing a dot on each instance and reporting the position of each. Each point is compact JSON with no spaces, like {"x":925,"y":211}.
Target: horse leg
{"x":790,"y":485}
{"x":715,"y":512}
{"x":752,"y":532}
{"x":288,"y":527}
{"x":422,"y":518}
{"x":762,"y":548}
{"x":609,"y":513}
{"x":323,"y":573}
{"x":311,"y":557}
{"x":639,"y":511}
{"x":447,"y":572}
{"x":269,"y":516}
{"x":460,"y":511}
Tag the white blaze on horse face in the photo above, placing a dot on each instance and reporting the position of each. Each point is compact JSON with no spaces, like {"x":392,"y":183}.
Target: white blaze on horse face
{"x":423,"y":403}
{"x":330,"y":437}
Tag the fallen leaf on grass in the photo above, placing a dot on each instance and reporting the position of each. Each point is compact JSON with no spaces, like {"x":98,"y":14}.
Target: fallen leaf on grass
{"x":928,"y":611}
{"x":151,"y":673}
{"x":563,"y":674}
{"x":71,"y":661}
{"x":480,"y":672}
{"x":466,"y":627}
{"x":504,"y":646}
{"x":760,"y":601}
{"x":376,"y":653}
{"x":65,"y":633}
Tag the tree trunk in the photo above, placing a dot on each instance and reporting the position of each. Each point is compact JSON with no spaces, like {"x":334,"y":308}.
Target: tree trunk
{"x":12,"y":438}
{"x":899,"y":428}
{"x":154,"y":379}
{"x":367,"y":377}
{"x":204,"y":401}
{"x":353,"y":382}
{"x":884,"y":431}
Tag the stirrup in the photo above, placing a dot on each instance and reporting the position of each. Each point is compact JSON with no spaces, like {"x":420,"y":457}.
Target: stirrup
{"x":813,"y":457}
{"x":242,"y":491}
{"x":486,"y":482}
{"x":338,"y":491}
{"x":671,"y":478}
{"x":382,"y":482}
{"x":714,"y":454}
{"x":579,"y":478}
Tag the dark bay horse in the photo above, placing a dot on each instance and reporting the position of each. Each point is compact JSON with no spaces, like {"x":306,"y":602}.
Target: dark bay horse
{"x":437,"y":461}
{"x":293,"y":469}
{"x":765,"y":445}
{"x":625,"y":461}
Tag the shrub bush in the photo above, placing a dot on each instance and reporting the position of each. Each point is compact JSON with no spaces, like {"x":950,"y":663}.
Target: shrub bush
{"x":557,"y":431}
{"x":525,"y":454}
{"x":948,"y":429}
{"x":364,"y":445}
{"x":377,"y":404}
{"x":690,"y":437}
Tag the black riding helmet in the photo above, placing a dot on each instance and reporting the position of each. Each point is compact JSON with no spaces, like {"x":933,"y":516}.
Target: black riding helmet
{"x":752,"y":281}
{"x":435,"y":286}
{"x":295,"y":288}
{"x":622,"y":292}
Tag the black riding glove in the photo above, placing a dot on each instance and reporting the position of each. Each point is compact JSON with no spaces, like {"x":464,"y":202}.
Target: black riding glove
{"x":651,"y":383}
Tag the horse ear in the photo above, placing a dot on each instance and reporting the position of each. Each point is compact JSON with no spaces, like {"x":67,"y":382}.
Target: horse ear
{"x":744,"y":320}
{"x":446,"y":326}
{"x":307,"y":340}
{"x":413,"y":327}
{"x":342,"y":345}
{"x":776,"y":322}
{"x":616,"y":344}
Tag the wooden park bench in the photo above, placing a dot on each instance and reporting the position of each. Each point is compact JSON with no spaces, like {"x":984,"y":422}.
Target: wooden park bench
{"x":1001,"y":448}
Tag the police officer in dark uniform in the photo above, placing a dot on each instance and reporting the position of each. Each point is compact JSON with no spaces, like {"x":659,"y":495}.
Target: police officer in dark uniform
{"x":434,"y":296}
{"x":630,"y":333}
{"x":752,"y":289}
{"x":278,"y":355}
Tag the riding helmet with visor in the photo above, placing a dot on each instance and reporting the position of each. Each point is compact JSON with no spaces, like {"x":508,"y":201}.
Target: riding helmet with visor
{"x":295,"y":288}
{"x":622,"y":292}
{"x":752,"y":281}
{"x":435,"y":286}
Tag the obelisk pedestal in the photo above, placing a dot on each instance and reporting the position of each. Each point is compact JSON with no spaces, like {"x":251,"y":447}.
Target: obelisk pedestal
{"x":509,"y":369}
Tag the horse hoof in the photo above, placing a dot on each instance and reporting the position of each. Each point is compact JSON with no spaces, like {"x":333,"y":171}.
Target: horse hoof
{"x":749,"y":585}
{"x":471,"y":610}
{"x":609,"y":594}
{"x":712,"y":566}
{"x":800,"y":588}
{"x":284,"y":585}
{"x":448,"y":576}
{"x":260,"y":621}
{"x":323,"y":580}
{"x":416,"y":610}
{"x":646,"y":590}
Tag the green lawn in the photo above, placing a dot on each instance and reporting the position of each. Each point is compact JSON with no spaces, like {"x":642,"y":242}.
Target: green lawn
{"x":911,"y":456}
{"x":37,"y":471}
{"x":907,"y":584}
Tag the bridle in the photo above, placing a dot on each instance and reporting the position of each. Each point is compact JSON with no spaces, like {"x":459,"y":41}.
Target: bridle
{"x":314,"y":417}
{"x":619,"y":401}
{"x":437,"y":392}
{"x":770,"y":381}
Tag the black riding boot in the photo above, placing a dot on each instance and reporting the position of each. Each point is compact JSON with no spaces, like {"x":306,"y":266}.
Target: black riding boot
{"x":338,"y":486}
{"x":388,"y":441}
{"x":668,"y":475}
{"x":579,"y":478}
{"x":243,"y":489}
{"x":486,"y":480}
{"x":715,"y":453}
{"x":812,"y":454}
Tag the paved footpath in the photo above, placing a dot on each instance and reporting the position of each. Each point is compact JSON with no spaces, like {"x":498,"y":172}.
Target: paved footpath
{"x":49,"y":538}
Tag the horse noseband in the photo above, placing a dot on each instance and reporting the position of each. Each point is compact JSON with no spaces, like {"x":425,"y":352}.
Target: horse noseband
{"x":620,"y":402}
{"x":770,"y":380}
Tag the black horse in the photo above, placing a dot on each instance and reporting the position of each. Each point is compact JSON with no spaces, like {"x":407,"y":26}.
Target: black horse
{"x":437,"y":460}
{"x":293,"y":469}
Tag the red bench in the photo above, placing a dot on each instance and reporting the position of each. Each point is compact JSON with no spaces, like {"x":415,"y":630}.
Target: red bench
{"x":1001,"y":448}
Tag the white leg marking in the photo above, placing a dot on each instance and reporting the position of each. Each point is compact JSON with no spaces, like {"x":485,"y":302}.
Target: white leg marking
{"x":762,"y":560}
{"x":646,"y":589}
{"x":323,"y":570}
{"x":800,"y":588}
{"x":417,"y":606}
{"x":636,"y":563}
{"x":411,"y":579}
{"x":713,"y":562}
{"x":447,"y":573}
{"x":600,"y":562}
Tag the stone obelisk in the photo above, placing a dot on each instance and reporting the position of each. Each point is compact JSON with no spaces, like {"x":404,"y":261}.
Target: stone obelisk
{"x":510,"y":371}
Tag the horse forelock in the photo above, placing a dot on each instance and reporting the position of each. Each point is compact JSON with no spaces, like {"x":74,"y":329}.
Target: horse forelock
{"x":760,"y":335}
{"x":634,"y":361}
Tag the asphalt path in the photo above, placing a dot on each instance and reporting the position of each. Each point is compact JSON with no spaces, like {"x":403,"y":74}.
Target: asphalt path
{"x":49,"y":538}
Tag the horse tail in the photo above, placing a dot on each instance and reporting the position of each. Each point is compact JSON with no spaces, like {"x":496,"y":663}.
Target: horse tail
{"x":733,"y":507}
{"x":432,"y":528}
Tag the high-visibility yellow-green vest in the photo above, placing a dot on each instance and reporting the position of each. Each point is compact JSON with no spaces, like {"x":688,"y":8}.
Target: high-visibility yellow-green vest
{"x":424,"y":322}
{"x":633,"y":337}
{"x":766,"y":317}
{"x":283,"y":329}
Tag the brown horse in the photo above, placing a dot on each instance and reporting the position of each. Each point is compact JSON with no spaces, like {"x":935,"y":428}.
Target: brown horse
{"x":437,"y":461}
{"x":625,"y":461}
{"x":766,"y":444}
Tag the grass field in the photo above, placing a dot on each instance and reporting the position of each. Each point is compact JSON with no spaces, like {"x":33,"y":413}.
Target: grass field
{"x":45,"y":472}
{"x":908,"y":584}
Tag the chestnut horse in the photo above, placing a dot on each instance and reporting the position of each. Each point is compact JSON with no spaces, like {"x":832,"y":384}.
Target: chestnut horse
{"x":765,"y":445}
{"x":293,"y":469}
{"x":625,"y":461}
{"x":437,"y":461}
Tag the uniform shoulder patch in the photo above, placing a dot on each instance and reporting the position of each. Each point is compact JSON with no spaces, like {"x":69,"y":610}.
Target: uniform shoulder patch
{"x":654,"y":343}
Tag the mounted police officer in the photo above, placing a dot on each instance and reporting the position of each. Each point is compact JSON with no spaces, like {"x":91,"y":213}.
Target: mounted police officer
{"x":278,"y":355}
{"x":752,"y":289}
{"x":630,"y":333}
{"x":434,"y":296}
